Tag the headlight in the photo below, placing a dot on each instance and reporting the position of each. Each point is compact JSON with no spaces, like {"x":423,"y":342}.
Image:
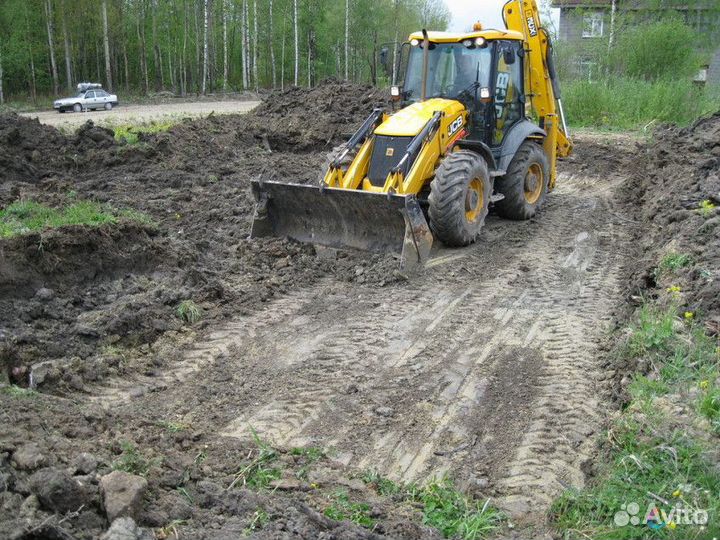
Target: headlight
{"x":479,"y":41}
{"x":414,"y":42}
{"x":468,"y":43}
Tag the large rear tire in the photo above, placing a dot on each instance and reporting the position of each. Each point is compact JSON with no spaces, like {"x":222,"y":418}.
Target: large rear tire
{"x":525,"y":184}
{"x":459,"y":198}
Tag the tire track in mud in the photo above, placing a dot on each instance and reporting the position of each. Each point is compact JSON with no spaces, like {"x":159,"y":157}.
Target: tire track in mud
{"x":484,"y":367}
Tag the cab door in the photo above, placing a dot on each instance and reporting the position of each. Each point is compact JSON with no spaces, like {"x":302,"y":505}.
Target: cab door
{"x":90,"y":99}
{"x":508,"y":89}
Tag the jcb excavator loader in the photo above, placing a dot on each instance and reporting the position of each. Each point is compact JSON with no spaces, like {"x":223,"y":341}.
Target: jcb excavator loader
{"x":481,"y":122}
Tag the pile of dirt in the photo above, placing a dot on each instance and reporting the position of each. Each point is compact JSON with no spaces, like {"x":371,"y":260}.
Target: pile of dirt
{"x":677,"y":185}
{"x":31,"y":151}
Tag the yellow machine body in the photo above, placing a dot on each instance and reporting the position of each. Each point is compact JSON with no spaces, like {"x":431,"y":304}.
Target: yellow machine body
{"x":350,"y":209}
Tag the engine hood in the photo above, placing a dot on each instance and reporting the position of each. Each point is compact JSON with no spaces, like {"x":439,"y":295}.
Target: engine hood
{"x":409,"y":121}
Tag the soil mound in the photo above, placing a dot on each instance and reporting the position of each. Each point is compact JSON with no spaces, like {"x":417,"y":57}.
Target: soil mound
{"x":677,"y":186}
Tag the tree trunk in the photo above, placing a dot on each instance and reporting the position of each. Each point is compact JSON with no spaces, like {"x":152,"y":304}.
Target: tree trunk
{"x":397,"y":34}
{"x":613,"y":11}
{"x":66,"y":43}
{"x":159,"y":82}
{"x":246,"y":45}
{"x":272,"y":46}
{"x":143,"y":56}
{"x":255,"y":46}
{"x":225,"y":46}
{"x":347,"y":36}
{"x":33,"y":84}
{"x":127,"y":68}
{"x":106,"y":46}
{"x":282,"y":56}
{"x":297,"y":48}
{"x":183,"y":59}
{"x":205,"y":50}
{"x":2,"y":93}
{"x":51,"y":41}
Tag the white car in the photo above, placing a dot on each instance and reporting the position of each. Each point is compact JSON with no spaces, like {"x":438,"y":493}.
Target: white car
{"x":89,"y":96}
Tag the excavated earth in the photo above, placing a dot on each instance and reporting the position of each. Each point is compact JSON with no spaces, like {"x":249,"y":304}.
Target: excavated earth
{"x":487,"y":367}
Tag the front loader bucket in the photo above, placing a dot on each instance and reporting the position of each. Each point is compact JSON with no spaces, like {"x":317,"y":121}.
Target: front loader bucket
{"x":343,"y":218}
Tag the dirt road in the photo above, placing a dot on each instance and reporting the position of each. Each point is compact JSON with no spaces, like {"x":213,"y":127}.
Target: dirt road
{"x":485,"y":367}
{"x":142,"y":113}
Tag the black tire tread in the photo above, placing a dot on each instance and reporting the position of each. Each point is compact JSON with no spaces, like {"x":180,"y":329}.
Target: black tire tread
{"x":512,"y":185}
{"x":447,"y":198}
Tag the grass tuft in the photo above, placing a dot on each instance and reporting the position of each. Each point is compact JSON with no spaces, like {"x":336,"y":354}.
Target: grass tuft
{"x":341,"y":508}
{"x":672,"y":262}
{"x":132,"y":461}
{"x":189,"y":311}
{"x":260,"y":471}
{"x":19,"y":392}
{"x":130,"y":134}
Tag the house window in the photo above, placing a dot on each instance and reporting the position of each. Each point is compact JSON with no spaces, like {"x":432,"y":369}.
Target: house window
{"x":587,"y":69}
{"x":592,"y":24}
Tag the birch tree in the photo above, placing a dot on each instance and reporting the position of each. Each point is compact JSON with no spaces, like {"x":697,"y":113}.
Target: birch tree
{"x":205,"y":49}
{"x":297,"y":48}
{"x":106,"y":46}
{"x":272,"y":44}
{"x":66,"y":44}
{"x":347,"y":36}
{"x":255,"y":45}
{"x":225,"y":45}
{"x":51,"y":43}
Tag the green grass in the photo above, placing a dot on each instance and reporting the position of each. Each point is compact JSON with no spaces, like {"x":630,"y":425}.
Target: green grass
{"x":705,"y":208}
{"x":450,"y":511}
{"x":24,"y":217}
{"x":308,"y":455}
{"x":454,"y":514}
{"x":189,"y":311}
{"x":671,"y":263}
{"x":628,"y":103}
{"x":261,"y":470}
{"x":132,"y":461}
{"x":259,"y":520}
{"x":19,"y":392}
{"x":130,"y":134}
{"x":341,"y":508}
{"x":652,"y":449}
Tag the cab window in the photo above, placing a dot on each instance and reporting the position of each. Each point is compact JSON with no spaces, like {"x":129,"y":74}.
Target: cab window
{"x":90,"y":95}
{"x":509,"y":102}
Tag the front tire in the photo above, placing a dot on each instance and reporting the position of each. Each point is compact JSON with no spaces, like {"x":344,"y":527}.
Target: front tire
{"x":525,"y":184}
{"x":459,"y":198}
{"x":108,"y":106}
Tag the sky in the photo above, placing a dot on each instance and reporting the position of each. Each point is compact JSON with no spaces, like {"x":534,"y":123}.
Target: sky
{"x":488,"y":12}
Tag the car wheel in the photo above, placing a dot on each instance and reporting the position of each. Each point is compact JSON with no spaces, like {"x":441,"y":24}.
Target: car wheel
{"x":108,"y":106}
{"x":77,"y":107}
{"x":61,"y":110}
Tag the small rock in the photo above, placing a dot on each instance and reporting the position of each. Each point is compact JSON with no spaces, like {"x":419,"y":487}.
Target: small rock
{"x":125,"y":528}
{"x":44,"y":294}
{"x":29,"y":507}
{"x":85,"y":463}
{"x":40,"y":372}
{"x":359,"y":270}
{"x":282,"y":263}
{"x":384,"y":411}
{"x":57,"y":490}
{"x":29,"y":457}
{"x":122,"y":494}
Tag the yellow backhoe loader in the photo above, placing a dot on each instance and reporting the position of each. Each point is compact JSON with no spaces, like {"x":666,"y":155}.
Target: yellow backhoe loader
{"x":480,"y":123}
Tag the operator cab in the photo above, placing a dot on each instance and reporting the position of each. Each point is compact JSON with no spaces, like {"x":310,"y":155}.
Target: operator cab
{"x":483,"y":70}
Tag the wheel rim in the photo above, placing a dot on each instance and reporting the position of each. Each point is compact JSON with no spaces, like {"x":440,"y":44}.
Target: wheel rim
{"x":474,"y":200}
{"x":534,"y":181}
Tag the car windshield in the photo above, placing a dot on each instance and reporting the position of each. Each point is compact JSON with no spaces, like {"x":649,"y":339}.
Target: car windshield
{"x":452,"y":68}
